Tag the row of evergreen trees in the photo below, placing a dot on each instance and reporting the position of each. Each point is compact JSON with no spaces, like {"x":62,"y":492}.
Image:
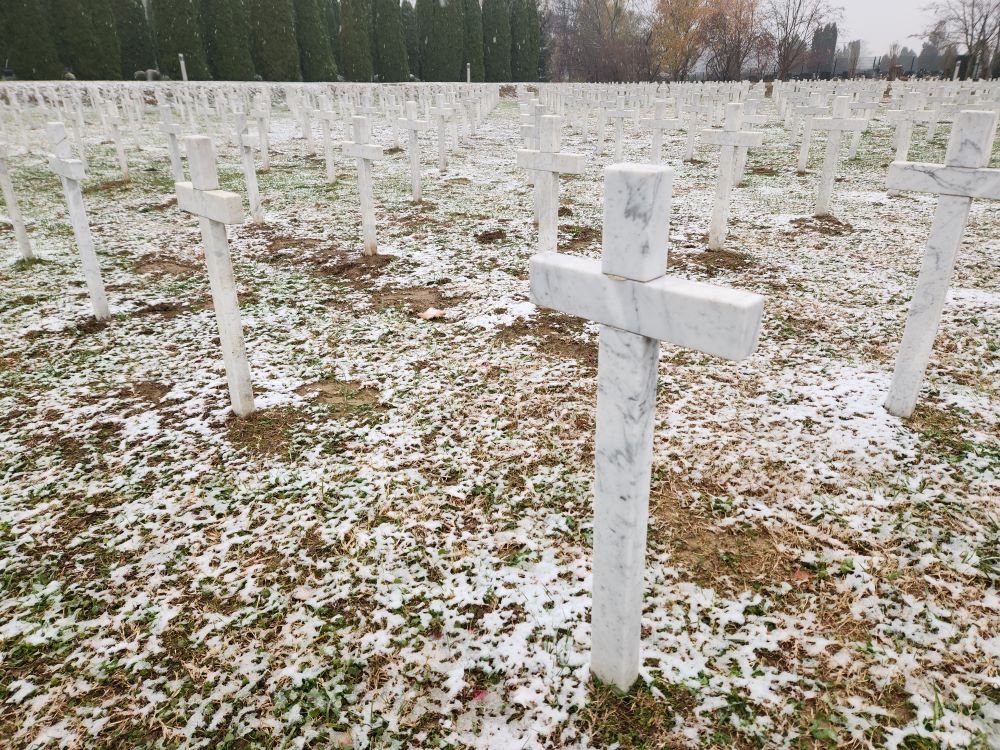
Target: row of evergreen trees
{"x":279,"y":40}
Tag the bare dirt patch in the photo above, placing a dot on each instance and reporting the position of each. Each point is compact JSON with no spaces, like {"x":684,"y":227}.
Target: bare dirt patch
{"x":170,"y":309}
{"x":106,"y":186}
{"x":764,"y":171}
{"x":489,"y":236}
{"x":345,"y":399}
{"x":565,"y":211}
{"x":89,"y":325}
{"x":267,"y":431}
{"x":147,"y":390}
{"x":555,"y":334}
{"x":393,"y":150}
{"x":828,"y":225}
{"x":161,"y":206}
{"x":712,"y":262}
{"x":157,"y":265}
{"x":417,"y":299}
{"x":581,"y":236}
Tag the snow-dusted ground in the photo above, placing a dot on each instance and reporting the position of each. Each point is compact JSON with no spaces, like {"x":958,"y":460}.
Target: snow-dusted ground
{"x":404,"y":561}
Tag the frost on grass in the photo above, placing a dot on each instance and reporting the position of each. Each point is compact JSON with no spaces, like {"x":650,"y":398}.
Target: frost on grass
{"x":394,"y":552}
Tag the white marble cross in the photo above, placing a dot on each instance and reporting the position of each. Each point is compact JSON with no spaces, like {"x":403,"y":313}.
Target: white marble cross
{"x":327,"y":117}
{"x":171,"y":129}
{"x":658,"y":123}
{"x":962,"y":178}
{"x":547,"y":163}
{"x":442,"y":114}
{"x":619,"y":114}
{"x":365,"y":153}
{"x":415,"y":126}
{"x":114,"y":122}
{"x":215,"y":208}
{"x":732,"y":140}
{"x":13,"y":210}
{"x":638,"y":306}
{"x":71,"y":173}
{"x":809,"y":112}
{"x":904,"y":120}
{"x":836,"y":125}
{"x":249,"y":168}
{"x":261,"y":114}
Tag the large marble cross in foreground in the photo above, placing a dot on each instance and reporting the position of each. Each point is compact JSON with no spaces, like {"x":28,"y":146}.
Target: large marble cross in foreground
{"x":638,"y":306}
{"x":958,"y":181}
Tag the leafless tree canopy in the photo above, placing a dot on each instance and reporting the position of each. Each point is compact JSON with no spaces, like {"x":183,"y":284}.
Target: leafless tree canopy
{"x":973,"y":25}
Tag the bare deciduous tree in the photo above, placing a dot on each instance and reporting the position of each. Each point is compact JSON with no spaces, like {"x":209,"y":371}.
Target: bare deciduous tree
{"x":732,"y":33}
{"x":975,"y":24}
{"x":791,"y":23}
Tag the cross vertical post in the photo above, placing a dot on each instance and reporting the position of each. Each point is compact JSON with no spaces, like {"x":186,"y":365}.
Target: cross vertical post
{"x":364,"y":153}
{"x":13,"y":210}
{"x":415,"y":126}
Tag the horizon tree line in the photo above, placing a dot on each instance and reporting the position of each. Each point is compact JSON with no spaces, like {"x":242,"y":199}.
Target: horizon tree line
{"x":276,"y":40}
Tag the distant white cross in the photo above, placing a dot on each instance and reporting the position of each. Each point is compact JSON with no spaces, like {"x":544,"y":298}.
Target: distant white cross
{"x":415,"y":126}
{"x":733,"y":140}
{"x":442,"y":115}
{"x":365,"y":153}
{"x":71,"y":173}
{"x":962,"y":178}
{"x":836,"y":126}
{"x":245,"y":146}
{"x":619,"y":113}
{"x":327,"y":117}
{"x":13,"y":211}
{"x":172,"y":130}
{"x":215,"y":209}
{"x":547,"y":163}
{"x":638,"y":306}
{"x":658,"y":123}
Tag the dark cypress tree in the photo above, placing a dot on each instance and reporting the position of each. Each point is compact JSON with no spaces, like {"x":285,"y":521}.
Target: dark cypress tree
{"x":27,"y":44}
{"x":389,"y":51}
{"x":440,"y":27}
{"x":77,"y":39}
{"x":178,"y":31}
{"x":227,"y":40}
{"x":315,"y":54}
{"x":355,"y":39}
{"x":524,"y":38}
{"x":272,"y":39}
{"x":473,"y":41}
{"x":134,"y":36}
{"x":332,"y":8}
{"x":496,"y":40}
{"x":109,"y":52}
{"x":411,"y":37}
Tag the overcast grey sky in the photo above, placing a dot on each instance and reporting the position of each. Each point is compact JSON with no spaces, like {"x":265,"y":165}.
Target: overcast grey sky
{"x":881,"y":22}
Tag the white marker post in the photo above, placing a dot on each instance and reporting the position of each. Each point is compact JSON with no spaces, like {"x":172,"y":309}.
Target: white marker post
{"x":442,"y":114}
{"x":638,"y":306}
{"x":215,"y":208}
{"x":172,"y":130}
{"x":962,"y":178}
{"x":733,"y":140}
{"x":71,"y":173}
{"x":13,"y":211}
{"x":415,"y":126}
{"x":547,"y":163}
{"x":249,"y":169}
{"x":365,"y":153}
{"x":184,"y":70}
{"x":835,"y":126}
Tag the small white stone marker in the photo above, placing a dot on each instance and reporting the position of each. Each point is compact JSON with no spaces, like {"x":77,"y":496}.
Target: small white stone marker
{"x":658,"y":123}
{"x":249,"y":169}
{"x":547,"y":163}
{"x":638,"y":306}
{"x":365,"y":153}
{"x":836,"y":125}
{"x":71,"y":173}
{"x":442,"y":114}
{"x":13,"y":211}
{"x":215,"y":208}
{"x":172,"y":130}
{"x":415,"y":126}
{"x":732,"y":140}
{"x":962,"y":178}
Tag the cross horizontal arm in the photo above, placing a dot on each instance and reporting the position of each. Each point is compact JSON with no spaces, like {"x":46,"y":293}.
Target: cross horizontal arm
{"x":943,"y":180}
{"x":742,"y":138}
{"x":71,"y":169}
{"x":709,"y":319}
{"x":362,"y":150}
{"x":548,"y":162}
{"x":214,"y":205}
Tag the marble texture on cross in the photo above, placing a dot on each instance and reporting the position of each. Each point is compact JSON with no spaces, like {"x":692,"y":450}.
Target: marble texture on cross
{"x":835,"y":125}
{"x":215,"y":209}
{"x":638,"y":306}
{"x":733,"y":141}
{"x":548,"y":162}
{"x":71,"y":173}
{"x":962,"y":178}
{"x":415,"y":126}
{"x":364,"y":153}
{"x":13,"y":210}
